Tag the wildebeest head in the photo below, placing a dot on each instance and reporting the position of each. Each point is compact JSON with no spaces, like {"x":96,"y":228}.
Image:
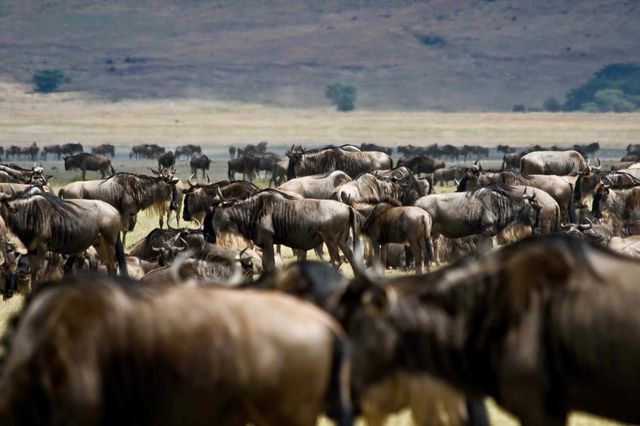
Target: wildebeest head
{"x":600,"y":196}
{"x":295,"y":158}
{"x":166,"y":174}
{"x":530,"y":214}
{"x":197,"y":188}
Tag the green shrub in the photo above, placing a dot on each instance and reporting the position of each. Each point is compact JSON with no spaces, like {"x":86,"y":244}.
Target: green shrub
{"x":519,"y":108}
{"x":342,"y":95}
{"x":48,"y":80}
{"x":615,"y":87}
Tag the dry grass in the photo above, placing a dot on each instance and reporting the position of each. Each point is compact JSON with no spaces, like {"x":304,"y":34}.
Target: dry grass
{"x":66,"y":117}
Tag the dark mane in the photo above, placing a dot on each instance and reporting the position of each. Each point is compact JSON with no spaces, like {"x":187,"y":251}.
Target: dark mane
{"x":499,"y":187}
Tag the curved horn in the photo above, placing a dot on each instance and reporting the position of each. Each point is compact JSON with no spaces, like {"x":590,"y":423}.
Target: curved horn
{"x":599,"y":163}
{"x":190,"y":182}
{"x":156,"y":249}
{"x":155,"y":172}
{"x":208,"y":180}
{"x":292,"y":147}
{"x":609,"y":179}
{"x":457,"y":182}
{"x":565,"y":225}
{"x":219,"y":193}
{"x":171,"y":228}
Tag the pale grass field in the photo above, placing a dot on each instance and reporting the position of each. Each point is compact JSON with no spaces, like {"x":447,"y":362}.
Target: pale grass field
{"x":73,"y":117}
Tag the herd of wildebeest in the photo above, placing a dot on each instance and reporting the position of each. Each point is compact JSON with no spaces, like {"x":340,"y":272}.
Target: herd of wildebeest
{"x":204,"y":324}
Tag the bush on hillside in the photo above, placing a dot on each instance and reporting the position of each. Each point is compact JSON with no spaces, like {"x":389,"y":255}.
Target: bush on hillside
{"x":48,"y":80}
{"x":552,"y":105}
{"x":342,"y":95}
{"x":615,"y":88}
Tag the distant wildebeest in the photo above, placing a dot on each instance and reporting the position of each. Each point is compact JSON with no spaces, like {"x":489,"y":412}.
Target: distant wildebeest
{"x":279,"y":173}
{"x":245,"y":165}
{"x":167,"y":160}
{"x":266,"y":163}
{"x":373,"y":147}
{"x":587,"y":150}
{"x":271,"y":217}
{"x":561,"y":163}
{"x":69,"y":149}
{"x":127,"y":192}
{"x":449,"y":175}
{"x":316,"y":186}
{"x":485,"y":211}
{"x":555,"y":186}
{"x":253,"y":150}
{"x":51,"y":149}
{"x":476,"y":151}
{"x":505,"y":149}
{"x":199,"y":197}
{"x":188,"y":151}
{"x":200,"y":162}
{"x":393,"y":223}
{"x":232,"y":152}
{"x":106,"y":149}
{"x":529,"y":325}
{"x":44,"y":222}
{"x":352,"y":163}
{"x":91,"y":162}
{"x":621,"y":207}
{"x":137,"y":353}
{"x":511,"y":160}
{"x":421,"y":164}
{"x":149,"y":151}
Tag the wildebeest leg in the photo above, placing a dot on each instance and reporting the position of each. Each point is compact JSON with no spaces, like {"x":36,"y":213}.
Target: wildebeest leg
{"x":418,"y":253}
{"x":334,"y":253}
{"x":300,"y":254}
{"x":319,"y":253}
{"x":383,"y":256}
{"x":84,"y":172}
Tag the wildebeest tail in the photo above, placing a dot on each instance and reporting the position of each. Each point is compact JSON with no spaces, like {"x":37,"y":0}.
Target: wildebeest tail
{"x":428,"y":245}
{"x":338,"y":397}
{"x":120,"y":257}
{"x":353,"y":222}
{"x":571,"y":208}
{"x":504,"y":162}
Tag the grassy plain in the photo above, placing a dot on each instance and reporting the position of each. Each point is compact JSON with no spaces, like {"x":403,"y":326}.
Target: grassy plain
{"x":69,"y":117}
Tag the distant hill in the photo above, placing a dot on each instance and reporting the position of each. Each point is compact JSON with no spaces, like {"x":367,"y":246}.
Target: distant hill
{"x":464,"y":55}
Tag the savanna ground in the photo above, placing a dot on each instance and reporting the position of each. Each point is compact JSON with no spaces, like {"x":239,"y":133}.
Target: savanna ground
{"x":62,"y":118}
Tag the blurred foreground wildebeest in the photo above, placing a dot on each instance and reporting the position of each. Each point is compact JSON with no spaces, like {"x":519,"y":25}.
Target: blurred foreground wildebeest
{"x":561,"y":163}
{"x":127,"y":192}
{"x":44,"y":222}
{"x":537,"y":325}
{"x":272,"y":217}
{"x":85,"y":162}
{"x":200,"y":162}
{"x":352,"y":163}
{"x":116,"y":352}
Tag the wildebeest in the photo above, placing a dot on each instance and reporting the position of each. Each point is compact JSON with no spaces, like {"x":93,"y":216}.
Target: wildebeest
{"x":146,"y":151}
{"x":586,"y":182}
{"x":91,"y":162}
{"x":166,"y":160}
{"x":316,"y":186}
{"x":421,"y":164}
{"x":555,"y":186}
{"x":511,"y":160}
{"x":373,"y":147}
{"x":352,"y":163}
{"x":486,"y":211}
{"x":127,"y":192}
{"x":369,"y":188}
{"x":199,"y":197}
{"x":449,"y":174}
{"x":51,"y":149}
{"x":530,"y":325}
{"x":11,"y":173}
{"x":393,"y":223}
{"x":106,"y":149}
{"x":200,"y":162}
{"x":167,"y":355}
{"x":8,"y":263}
{"x":69,"y":149}
{"x":621,"y":207}
{"x":587,"y":150}
{"x":245,"y":165}
{"x":266,"y":163}
{"x":44,"y":222}
{"x":188,"y":150}
{"x":561,"y":163}
{"x":279,"y":173}
{"x":270,"y":217}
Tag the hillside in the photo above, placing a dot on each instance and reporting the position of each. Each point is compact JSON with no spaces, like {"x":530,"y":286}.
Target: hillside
{"x":464,"y":55}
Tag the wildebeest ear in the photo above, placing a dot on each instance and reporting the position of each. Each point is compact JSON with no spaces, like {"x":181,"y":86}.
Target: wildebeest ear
{"x":378,"y":301}
{"x":288,"y":154}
